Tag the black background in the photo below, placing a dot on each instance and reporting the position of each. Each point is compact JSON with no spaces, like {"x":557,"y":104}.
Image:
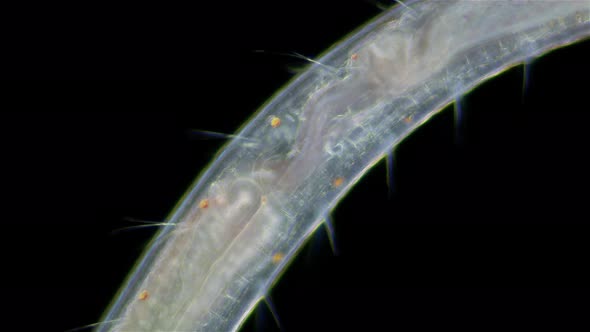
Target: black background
{"x":486,"y":228}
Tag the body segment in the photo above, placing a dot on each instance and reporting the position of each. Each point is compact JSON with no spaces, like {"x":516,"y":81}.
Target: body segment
{"x":250,"y":212}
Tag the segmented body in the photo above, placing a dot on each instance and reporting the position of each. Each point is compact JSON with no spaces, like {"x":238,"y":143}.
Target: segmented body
{"x":250,"y":212}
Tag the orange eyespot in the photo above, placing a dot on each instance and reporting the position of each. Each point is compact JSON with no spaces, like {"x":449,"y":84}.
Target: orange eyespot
{"x":275,"y":121}
{"x":263,"y":199}
{"x":204,"y":203}
{"x":408,"y":119}
{"x":354,"y":56}
{"x":338,"y":181}
{"x":277,"y":257}
{"x":143,"y":295}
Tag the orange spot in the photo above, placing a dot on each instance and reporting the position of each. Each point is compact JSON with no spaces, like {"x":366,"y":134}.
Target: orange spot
{"x":204,"y":203}
{"x":408,"y":119}
{"x":277,"y":257}
{"x":275,"y":122}
{"x":143,"y":295}
{"x":263,"y":199}
{"x":338,"y":181}
{"x":354,"y":56}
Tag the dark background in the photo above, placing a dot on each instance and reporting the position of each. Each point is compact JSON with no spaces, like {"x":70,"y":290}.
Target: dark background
{"x":486,"y":228}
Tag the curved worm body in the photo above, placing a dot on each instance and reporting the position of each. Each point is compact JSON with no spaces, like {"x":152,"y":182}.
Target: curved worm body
{"x":270,"y":188}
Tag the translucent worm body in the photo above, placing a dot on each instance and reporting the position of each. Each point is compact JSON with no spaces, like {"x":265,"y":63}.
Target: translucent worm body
{"x":249,"y":213}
